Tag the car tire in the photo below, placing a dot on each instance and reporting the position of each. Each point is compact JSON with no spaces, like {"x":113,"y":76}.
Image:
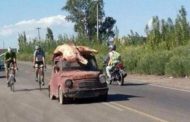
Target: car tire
{"x":103,"y":98}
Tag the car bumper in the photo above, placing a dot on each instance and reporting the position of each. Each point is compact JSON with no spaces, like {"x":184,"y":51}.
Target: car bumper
{"x":87,"y":93}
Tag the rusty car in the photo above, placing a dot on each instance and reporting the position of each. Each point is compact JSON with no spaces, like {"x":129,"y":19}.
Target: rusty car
{"x":73,"y":80}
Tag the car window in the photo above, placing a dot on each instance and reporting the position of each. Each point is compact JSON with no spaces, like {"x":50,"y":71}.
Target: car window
{"x":90,"y":66}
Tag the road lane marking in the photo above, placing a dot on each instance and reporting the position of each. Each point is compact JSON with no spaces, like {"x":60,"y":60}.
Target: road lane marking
{"x":112,"y":106}
{"x":182,"y":90}
{"x":139,"y":112}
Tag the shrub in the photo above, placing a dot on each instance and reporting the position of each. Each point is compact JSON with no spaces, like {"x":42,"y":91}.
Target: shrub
{"x":25,"y":56}
{"x":178,"y":66}
{"x":130,"y":57}
{"x":144,"y":64}
{"x":158,"y":62}
{"x":153,"y":63}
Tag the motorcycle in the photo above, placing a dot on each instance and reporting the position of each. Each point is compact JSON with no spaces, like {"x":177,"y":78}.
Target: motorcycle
{"x":117,"y":74}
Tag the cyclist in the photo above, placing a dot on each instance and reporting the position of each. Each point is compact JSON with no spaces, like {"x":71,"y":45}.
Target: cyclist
{"x":112,"y":59}
{"x":39,"y":61}
{"x":10,"y":58}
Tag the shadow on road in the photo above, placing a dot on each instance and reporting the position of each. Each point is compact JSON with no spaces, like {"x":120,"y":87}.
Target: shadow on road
{"x":135,"y":84}
{"x":128,"y":84}
{"x":2,"y":77}
{"x":119,"y":97}
{"x":111,"y":98}
{"x":33,"y":89}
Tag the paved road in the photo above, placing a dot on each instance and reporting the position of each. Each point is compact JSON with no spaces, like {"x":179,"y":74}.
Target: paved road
{"x":129,"y":103}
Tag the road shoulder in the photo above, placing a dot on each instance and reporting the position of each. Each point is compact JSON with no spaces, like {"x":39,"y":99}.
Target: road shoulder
{"x":160,"y":81}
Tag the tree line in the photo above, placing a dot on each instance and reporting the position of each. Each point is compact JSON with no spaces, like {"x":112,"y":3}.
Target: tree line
{"x":168,"y":34}
{"x":163,"y":50}
{"x":84,"y":16}
{"x":160,"y":33}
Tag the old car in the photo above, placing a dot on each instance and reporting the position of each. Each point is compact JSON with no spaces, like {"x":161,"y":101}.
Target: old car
{"x":71,"y":80}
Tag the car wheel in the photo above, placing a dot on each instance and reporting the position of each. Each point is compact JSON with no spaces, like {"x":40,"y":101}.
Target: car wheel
{"x":103,"y":97}
{"x":61,"y":97}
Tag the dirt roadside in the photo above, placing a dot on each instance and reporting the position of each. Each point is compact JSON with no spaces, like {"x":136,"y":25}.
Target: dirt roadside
{"x":163,"y":81}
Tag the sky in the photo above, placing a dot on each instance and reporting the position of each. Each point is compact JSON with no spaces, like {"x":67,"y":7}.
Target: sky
{"x":17,"y":16}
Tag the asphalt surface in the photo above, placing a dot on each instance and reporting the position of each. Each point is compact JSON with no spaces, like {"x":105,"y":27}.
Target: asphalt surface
{"x":128,"y":103}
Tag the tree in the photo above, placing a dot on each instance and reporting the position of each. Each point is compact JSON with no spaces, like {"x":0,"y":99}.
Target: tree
{"x":49,"y":35}
{"x":135,"y":39}
{"x":49,"y":42}
{"x":82,"y":14}
{"x":170,"y":36}
{"x":106,"y":28}
{"x":153,"y":33}
{"x":22,"y":41}
{"x":166,"y":34}
{"x":182,"y":32}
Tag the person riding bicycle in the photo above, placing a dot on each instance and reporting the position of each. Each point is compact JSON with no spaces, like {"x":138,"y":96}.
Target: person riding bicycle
{"x":39,"y":61}
{"x":112,"y":59}
{"x":10,"y":58}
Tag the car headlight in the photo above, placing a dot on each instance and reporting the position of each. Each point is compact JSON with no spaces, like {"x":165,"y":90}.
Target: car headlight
{"x":102,"y":79}
{"x":69,"y":83}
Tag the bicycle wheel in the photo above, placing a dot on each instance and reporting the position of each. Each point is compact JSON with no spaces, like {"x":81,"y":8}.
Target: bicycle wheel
{"x":11,"y":82}
{"x":39,"y":81}
{"x":12,"y":85}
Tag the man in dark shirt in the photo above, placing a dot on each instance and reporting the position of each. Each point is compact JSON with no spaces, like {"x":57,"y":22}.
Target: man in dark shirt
{"x":10,"y":59}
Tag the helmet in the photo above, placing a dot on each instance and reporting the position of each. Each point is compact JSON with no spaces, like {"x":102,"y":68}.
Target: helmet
{"x":112,"y":47}
{"x":37,"y":47}
{"x":9,"y":49}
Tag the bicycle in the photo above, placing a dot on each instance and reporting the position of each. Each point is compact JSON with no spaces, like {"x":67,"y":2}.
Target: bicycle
{"x":39,"y":76}
{"x":11,"y":77}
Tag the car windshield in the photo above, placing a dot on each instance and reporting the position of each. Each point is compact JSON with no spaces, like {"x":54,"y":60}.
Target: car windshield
{"x":90,"y":66}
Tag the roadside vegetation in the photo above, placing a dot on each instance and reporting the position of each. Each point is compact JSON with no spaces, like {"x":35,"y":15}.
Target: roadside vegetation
{"x":165,"y":50}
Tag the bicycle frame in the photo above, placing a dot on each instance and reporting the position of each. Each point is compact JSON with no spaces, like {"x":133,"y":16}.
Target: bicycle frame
{"x":40,"y":69}
{"x":11,"y":76}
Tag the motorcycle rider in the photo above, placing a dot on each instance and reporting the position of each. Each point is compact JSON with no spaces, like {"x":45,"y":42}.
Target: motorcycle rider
{"x":112,"y":59}
{"x":10,"y":57}
{"x":39,"y":61}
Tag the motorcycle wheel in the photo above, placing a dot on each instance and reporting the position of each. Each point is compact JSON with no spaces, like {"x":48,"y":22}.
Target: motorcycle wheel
{"x":108,"y":81}
{"x":120,"y":79}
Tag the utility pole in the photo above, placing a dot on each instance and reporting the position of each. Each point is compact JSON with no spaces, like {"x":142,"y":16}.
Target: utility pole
{"x":97,"y":22}
{"x":97,"y":19}
{"x":38,"y":28}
